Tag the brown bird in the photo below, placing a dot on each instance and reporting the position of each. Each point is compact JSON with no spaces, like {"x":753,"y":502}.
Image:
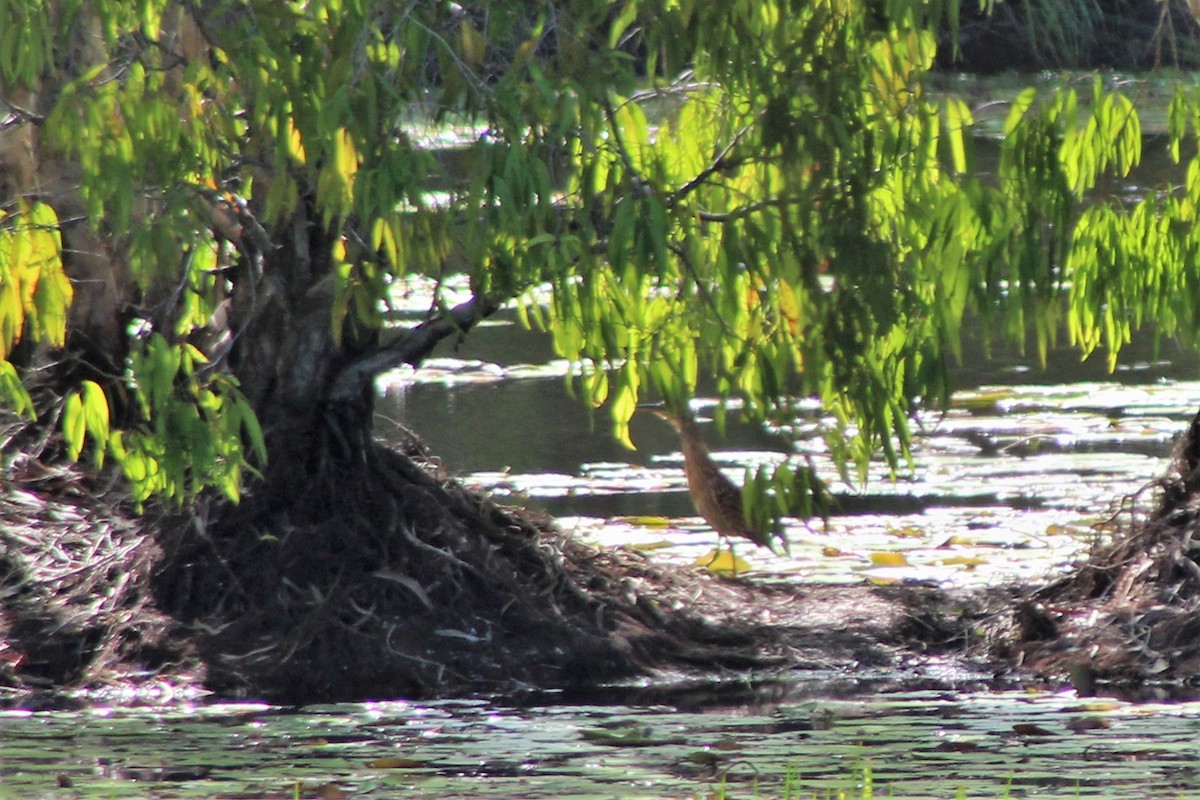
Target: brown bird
{"x":717,"y":499}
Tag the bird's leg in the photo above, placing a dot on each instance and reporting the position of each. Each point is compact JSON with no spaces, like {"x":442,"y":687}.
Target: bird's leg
{"x":733,"y":562}
{"x":722,"y":543}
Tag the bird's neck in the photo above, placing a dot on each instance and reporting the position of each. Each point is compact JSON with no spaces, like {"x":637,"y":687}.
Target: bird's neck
{"x":693,"y":442}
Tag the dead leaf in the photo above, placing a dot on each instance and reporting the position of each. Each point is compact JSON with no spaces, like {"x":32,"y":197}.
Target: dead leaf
{"x":331,"y":791}
{"x":1081,"y":724}
{"x":1029,"y":729}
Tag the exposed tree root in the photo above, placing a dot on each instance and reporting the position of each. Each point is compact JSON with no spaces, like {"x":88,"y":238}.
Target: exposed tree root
{"x":74,"y":569}
{"x":1131,"y":613}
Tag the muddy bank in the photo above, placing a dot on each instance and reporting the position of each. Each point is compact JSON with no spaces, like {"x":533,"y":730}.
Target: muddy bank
{"x":1131,"y":613}
{"x":390,"y":580}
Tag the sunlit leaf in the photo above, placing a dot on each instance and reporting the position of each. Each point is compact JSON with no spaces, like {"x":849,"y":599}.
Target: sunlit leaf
{"x":74,"y":426}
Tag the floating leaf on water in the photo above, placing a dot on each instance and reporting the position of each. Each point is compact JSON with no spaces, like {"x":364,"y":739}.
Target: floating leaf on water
{"x":1029,"y":729}
{"x":723,"y":562}
{"x":906,"y":531}
{"x":876,"y":580}
{"x":962,"y":561}
{"x":954,"y":541}
{"x":1081,"y":724}
{"x":645,"y":522}
{"x":833,"y":552}
{"x":889,"y":558}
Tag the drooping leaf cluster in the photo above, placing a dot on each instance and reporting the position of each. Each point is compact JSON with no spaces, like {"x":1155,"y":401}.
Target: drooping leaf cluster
{"x":34,"y":292}
{"x":758,"y":198}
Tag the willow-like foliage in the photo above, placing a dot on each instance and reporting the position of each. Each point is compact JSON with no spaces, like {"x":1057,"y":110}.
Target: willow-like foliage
{"x":760,"y":192}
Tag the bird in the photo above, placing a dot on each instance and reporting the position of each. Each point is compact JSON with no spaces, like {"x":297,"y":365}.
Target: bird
{"x":716,"y":498}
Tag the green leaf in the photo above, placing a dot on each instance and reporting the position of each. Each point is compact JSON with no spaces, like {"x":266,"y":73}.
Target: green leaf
{"x":13,"y":393}
{"x":95,"y":417}
{"x":74,"y":426}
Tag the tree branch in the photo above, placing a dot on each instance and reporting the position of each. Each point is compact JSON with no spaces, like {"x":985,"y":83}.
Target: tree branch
{"x":411,"y":349}
{"x":18,"y":116}
{"x":723,"y":161}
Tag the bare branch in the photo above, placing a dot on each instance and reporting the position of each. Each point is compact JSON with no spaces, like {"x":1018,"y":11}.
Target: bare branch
{"x":18,"y":116}
{"x":411,"y":349}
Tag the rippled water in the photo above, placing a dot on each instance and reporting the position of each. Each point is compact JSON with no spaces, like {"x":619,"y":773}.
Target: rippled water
{"x":912,"y":745}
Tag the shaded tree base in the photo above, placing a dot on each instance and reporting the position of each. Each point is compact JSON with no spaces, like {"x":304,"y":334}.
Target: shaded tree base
{"x":386,"y":579}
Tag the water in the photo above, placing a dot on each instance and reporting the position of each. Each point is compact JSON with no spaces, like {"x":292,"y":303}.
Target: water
{"x":915,"y":745}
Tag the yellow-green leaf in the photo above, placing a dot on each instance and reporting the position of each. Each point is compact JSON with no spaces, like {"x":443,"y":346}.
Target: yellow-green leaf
{"x":73,"y":425}
{"x":723,"y":562}
{"x":888,"y":559}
